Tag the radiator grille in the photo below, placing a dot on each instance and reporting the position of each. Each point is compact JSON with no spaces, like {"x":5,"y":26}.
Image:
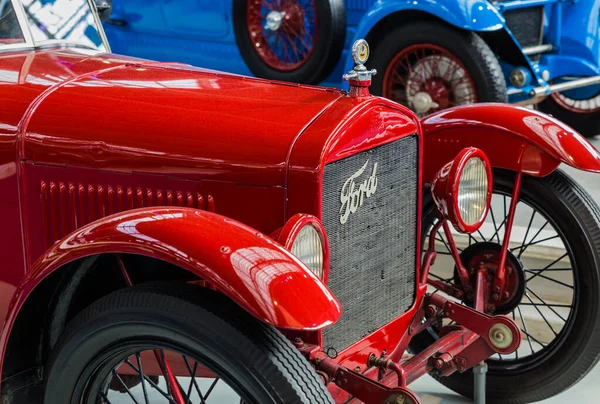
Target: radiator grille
{"x":526,"y":24}
{"x":373,"y":253}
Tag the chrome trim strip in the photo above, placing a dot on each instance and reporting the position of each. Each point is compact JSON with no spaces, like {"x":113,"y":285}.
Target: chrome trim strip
{"x":535,"y":50}
{"x":538,"y":94}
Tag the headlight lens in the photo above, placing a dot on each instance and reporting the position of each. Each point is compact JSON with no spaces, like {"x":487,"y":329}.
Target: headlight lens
{"x":307,"y":247}
{"x":472,"y":191}
{"x":462,"y":190}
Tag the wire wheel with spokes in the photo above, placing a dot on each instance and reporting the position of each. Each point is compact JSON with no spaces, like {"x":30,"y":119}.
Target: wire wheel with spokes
{"x":176,"y":345}
{"x":290,"y":40}
{"x":284,"y":31}
{"x":429,"y":66}
{"x":428,"y":78}
{"x":132,"y":376}
{"x":583,"y":114}
{"x":552,"y":272}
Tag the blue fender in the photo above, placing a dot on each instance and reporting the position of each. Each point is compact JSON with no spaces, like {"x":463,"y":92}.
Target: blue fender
{"x":580,"y":31}
{"x":472,"y":15}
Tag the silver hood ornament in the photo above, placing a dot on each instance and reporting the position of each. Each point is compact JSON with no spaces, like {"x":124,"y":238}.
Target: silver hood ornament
{"x":359,"y":78}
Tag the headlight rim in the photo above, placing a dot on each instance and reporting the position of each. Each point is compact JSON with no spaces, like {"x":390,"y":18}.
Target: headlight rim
{"x":291,"y":230}
{"x":446,"y":185}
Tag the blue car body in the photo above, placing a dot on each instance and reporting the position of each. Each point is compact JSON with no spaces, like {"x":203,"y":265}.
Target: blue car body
{"x":201,"y":33}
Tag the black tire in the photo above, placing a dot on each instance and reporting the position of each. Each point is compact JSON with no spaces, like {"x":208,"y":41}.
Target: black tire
{"x":327,"y":49}
{"x":588,"y":124}
{"x":255,"y":359}
{"x":568,"y":358}
{"x":465,"y":46}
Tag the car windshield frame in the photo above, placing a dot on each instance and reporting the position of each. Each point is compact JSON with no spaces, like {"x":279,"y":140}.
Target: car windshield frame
{"x":29,"y":42}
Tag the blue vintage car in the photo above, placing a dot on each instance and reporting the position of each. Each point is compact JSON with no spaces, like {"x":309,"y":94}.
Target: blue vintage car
{"x":430,"y":54}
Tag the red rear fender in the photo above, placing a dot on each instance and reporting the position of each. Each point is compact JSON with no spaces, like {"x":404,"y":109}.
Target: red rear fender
{"x":513,"y":138}
{"x":249,"y":267}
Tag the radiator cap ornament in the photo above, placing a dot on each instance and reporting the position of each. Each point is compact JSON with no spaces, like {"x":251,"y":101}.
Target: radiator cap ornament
{"x":359,"y":78}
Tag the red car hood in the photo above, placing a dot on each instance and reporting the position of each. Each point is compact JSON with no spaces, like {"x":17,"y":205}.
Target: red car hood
{"x":129,"y":115}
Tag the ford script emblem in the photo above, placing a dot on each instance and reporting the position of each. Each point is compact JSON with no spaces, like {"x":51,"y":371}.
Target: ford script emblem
{"x":353,"y":195}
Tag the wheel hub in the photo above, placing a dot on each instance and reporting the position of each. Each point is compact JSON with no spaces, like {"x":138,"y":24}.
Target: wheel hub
{"x":438,"y":91}
{"x":432,"y":90}
{"x":274,"y":20}
{"x":440,"y":75}
{"x":422,"y":102}
{"x":488,"y":255}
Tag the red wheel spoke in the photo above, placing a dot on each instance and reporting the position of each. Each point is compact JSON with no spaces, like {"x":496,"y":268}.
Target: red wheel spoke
{"x":399,"y":79}
{"x":462,"y":80}
{"x":267,"y":4}
{"x":286,"y":51}
{"x":168,"y":374}
{"x":291,"y":44}
{"x":306,"y":46}
{"x":419,"y":58}
{"x":453,"y":67}
{"x":433,"y":70}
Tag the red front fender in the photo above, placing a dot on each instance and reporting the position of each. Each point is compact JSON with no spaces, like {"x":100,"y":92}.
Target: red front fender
{"x":513,"y":138}
{"x":249,"y":267}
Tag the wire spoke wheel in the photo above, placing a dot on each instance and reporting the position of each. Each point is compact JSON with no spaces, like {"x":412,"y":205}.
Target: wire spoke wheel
{"x":284,"y":32}
{"x":176,"y":343}
{"x":539,"y":256}
{"x":428,"y":78}
{"x":588,"y":106}
{"x":574,"y":109}
{"x":147,"y":375}
{"x":428,"y":65}
{"x":552,"y":285}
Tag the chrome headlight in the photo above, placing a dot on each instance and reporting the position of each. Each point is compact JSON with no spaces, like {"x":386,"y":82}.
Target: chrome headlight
{"x":472,"y":191}
{"x":304,"y":236}
{"x":307,"y":247}
{"x":462,"y":190}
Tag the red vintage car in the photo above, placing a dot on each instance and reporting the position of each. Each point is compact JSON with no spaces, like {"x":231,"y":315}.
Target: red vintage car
{"x":184,"y":235}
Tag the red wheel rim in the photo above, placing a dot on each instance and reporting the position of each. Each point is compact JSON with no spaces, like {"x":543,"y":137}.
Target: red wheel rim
{"x":428,"y":78}
{"x":283,"y":32}
{"x":589,"y":106}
